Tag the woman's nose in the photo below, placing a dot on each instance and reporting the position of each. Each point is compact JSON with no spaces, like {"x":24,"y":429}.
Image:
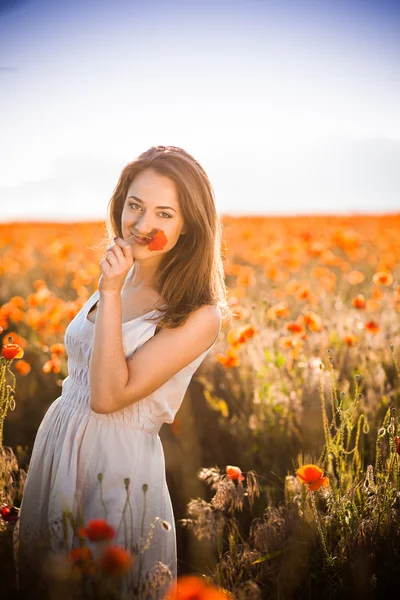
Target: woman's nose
{"x":143,"y":226}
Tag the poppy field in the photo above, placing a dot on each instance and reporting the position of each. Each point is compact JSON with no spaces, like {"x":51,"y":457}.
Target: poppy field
{"x":283,"y":462}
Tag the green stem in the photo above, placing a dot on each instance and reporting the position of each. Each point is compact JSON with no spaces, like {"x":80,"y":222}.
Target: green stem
{"x":321,"y":533}
{"x":141,"y":538}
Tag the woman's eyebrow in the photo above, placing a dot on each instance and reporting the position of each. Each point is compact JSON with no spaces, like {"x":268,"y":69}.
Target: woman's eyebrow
{"x":139,"y":200}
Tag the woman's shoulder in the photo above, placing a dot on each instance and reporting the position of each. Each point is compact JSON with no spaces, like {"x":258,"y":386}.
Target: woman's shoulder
{"x":207,"y":315}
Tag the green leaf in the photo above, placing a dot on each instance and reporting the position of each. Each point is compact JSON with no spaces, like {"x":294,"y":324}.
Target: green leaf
{"x":268,"y":556}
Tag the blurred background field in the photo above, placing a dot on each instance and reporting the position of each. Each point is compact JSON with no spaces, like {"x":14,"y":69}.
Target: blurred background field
{"x":300,"y":286}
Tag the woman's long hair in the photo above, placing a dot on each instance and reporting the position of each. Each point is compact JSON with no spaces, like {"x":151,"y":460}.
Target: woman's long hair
{"x":192,"y":273}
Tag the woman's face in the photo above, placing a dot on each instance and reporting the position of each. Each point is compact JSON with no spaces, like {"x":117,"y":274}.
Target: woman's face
{"x":151,"y":204}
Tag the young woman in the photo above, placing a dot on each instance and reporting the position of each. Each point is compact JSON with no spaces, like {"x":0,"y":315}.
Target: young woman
{"x":132,"y":351}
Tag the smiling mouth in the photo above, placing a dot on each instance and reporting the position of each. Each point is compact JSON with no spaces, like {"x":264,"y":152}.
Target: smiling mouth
{"x":141,"y":239}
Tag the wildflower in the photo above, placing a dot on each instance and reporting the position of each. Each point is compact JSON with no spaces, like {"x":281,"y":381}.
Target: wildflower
{"x":288,"y":342}
{"x":355,"y":277}
{"x":397,"y":443}
{"x":312,"y":321}
{"x":295,"y":344}
{"x":248,"y":331}
{"x":115,"y":561}
{"x":359,"y":301}
{"x":246,"y":276}
{"x":294,"y":327}
{"x":39,"y":283}
{"x":372,"y":326}
{"x":303,"y":292}
{"x":278,"y":310}
{"x":159,"y":241}
{"x":350,"y":339}
{"x":11,"y":312}
{"x":23,"y":367}
{"x":239,"y":335}
{"x":18,"y":301}
{"x":11,"y":351}
{"x":54,"y":364}
{"x":311,"y":475}
{"x":188,"y":587}
{"x":229,"y":359}
{"x":239,"y":312}
{"x":9,"y":514}
{"x":97,"y":530}
{"x":273,"y":273}
{"x":382,"y":278}
{"x":58,"y":349}
{"x":234,"y":473}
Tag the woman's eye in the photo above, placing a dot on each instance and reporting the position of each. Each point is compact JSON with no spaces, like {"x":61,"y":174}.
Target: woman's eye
{"x":162,"y":213}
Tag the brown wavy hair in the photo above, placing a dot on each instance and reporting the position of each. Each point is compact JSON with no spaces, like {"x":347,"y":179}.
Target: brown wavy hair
{"x":192,"y":273}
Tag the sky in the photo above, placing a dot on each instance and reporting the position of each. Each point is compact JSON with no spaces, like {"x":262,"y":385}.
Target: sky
{"x":291,"y":106}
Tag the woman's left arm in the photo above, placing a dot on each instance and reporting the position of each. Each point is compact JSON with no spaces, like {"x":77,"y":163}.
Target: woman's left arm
{"x":108,"y":369}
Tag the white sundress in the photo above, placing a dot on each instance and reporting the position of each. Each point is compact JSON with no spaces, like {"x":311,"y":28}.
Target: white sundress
{"x":73,"y":444}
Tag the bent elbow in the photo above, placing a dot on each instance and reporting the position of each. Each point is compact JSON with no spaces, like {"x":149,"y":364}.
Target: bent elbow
{"x":110,"y":405}
{"x":100,"y":408}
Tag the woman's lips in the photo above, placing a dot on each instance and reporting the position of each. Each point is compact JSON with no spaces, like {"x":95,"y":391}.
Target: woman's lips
{"x":138,"y":237}
{"x":141,"y":241}
{"x":157,"y":241}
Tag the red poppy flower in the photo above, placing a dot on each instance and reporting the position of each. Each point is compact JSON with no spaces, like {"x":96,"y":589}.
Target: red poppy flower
{"x":115,"y":561}
{"x":312,"y":476}
{"x":397,"y":443}
{"x":159,"y":241}
{"x":10,"y":351}
{"x":350,"y":339}
{"x":230,"y":359}
{"x":313,"y":321}
{"x":97,"y":530}
{"x":191,"y":587}
{"x":234,"y":473}
{"x":359,"y":301}
{"x":9,"y":514}
{"x":382,"y":278}
{"x":23,"y":367}
{"x":372,"y":326}
{"x":294,"y":327}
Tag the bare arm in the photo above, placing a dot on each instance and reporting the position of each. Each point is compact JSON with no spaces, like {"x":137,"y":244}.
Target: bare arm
{"x":118,"y":382}
{"x":108,"y":370}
